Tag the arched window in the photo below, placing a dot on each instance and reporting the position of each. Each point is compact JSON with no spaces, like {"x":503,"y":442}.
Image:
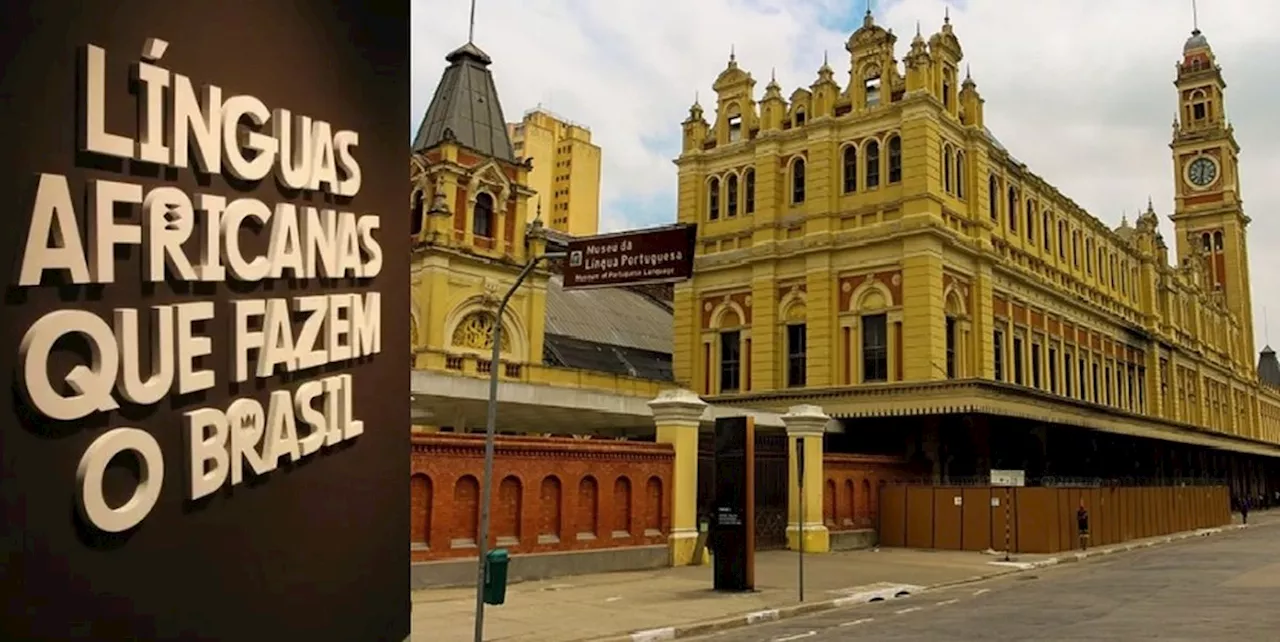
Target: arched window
{"x":993,"y":195}
{"x":731,"y":197}
{"x":946,"y":168}
{"x":1217,"y":241}
{"x":960,"y":175}
{"x":1031,"y":220}
{"x":1062,"y":239}
{"x":1013,"y":209}
{"x":873,"y":164}
{"x":799,"y":118}
{"x":1204,"y":240}
{"x":1088,"y":252}
{"x":482,"y":219}
{"x":895,"y":159}
{"x":749,"y":185}
{"x":1046,"y":228}
{"x":415,"y":214}
{"x":850,"y":169}
{"x":713,"y":199}
{"x":797,"y":181}
{"x":1199,"y":106}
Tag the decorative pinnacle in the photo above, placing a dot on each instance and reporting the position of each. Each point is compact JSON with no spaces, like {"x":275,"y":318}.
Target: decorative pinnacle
{"x":733,"y":54}
{"x":946,"y":15}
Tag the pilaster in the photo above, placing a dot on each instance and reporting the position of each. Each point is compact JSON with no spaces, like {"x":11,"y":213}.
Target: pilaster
{"x":805,"y":427}
{"x":765,"y":351}
{"x":924,"y":326}
{"x":820,"y":322}
{"x":984,"y":320}
{"x":685,"y":330}
{"x":677,"y":414}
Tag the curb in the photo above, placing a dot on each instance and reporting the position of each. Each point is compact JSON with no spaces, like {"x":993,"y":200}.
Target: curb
{"x":887,"y":593}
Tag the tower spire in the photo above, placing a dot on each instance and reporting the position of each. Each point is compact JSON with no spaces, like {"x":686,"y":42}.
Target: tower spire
{"x":471,"y":30}
{"x":1195,"y":18}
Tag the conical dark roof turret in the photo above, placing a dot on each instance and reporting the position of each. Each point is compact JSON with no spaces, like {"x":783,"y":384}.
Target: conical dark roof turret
{"x":465,"y":109}
{"x":1269,"y":368}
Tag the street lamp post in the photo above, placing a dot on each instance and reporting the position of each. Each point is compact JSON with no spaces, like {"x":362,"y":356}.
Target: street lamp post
{"x":489,"y":432}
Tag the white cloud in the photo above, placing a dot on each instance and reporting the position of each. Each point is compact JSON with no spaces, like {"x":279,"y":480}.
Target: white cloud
{"x":1081,"y":92}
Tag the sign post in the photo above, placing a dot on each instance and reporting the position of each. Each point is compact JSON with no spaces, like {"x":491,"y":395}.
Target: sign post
{"x":1008,"y":479}
{"x":490,"y":432}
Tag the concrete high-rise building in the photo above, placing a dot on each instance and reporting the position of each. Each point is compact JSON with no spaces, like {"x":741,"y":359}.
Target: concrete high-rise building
{"x":566,"y":170}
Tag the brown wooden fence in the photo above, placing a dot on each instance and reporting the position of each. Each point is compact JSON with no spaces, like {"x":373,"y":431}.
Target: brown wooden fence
{"x":1039,"y":519}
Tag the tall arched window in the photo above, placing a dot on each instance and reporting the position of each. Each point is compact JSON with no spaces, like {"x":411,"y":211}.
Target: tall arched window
{"x":895,"y":159}
{"x":1062,"y":239}
{"x":873,"y":164}
{"x":1031,"y":220}
{"x":946,"y":168}
{"x":713,"y":199}
{"x":1046,"y":228}
{"x":415,"y":214}
{"x":1012,"y":213}
{"x":993,"y":195}
{"x":482,"y":220}
{"x":731,"y":196}
{"x":797,"y":181}
{"x":749,"y":186}
{"x":850,"y":167}
{"x":1217,"y":241}
{"x":960,"y":175}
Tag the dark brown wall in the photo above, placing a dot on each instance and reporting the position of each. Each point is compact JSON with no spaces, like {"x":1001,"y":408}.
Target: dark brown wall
{"x":1042,"y":520}
{"x":312,"y":553}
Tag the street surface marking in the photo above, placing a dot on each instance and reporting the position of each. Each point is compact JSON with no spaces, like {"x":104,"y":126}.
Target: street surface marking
{"x":612,"y":599}
{"x":981,"y":591}
{"x":654,"y":635}
{"x":798,"y":636}
{"x":857,"y":622}
{"x":907,"y":610}
{"x":946,"y":602}
{"x":762,"y":616}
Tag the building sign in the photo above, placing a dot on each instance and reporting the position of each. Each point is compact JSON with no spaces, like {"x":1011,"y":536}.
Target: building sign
{"x":1008,"y":477}
{"x":656,"y":255}
{"x":202,"y":248}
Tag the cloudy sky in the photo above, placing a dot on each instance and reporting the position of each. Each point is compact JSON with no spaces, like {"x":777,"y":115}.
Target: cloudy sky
{"x":1079,"y":91}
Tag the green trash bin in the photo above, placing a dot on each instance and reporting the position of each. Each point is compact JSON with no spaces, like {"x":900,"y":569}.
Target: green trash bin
{"x":495,"y":576}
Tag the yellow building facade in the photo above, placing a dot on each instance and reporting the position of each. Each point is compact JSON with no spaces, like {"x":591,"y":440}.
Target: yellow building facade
{"x":571,"y":362}
{"x":867,"y":245}
{"x":566,"y":170}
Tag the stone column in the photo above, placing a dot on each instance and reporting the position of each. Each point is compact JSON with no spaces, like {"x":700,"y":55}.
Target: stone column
{"x":805,"y":427}
{"x":677,"y":414}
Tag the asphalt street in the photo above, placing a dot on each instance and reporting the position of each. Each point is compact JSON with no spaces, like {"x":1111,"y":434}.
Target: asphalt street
{"x":1223,"y":587}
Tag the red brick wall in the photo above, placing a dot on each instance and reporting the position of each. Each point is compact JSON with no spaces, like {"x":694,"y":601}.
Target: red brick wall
{"x":850,"y":497}
{"x":550,"y":494}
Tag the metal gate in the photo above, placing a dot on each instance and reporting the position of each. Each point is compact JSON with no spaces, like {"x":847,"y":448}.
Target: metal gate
{"x":771,"y":487}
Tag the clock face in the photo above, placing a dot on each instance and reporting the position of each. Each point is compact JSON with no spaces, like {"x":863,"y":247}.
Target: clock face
{"x":1202,"y":171}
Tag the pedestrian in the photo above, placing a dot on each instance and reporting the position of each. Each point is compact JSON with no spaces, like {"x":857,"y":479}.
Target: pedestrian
{"x":1082,"y":525}
{"x":1244,"y":509}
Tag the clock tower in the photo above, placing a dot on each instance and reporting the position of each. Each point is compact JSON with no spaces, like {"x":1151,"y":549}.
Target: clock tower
{"x":1208,"y":214}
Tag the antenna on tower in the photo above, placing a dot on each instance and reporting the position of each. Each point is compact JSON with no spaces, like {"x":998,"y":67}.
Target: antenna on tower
{"x":1266,"y":327}
{"x":471,"y":31}
{"x":1195,"y":18}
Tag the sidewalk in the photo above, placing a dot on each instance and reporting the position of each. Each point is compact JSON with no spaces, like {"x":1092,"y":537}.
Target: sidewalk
{"x":678,"y":602}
